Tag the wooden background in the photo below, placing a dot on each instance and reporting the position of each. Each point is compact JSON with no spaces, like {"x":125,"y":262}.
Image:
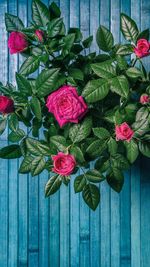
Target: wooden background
{"x":61,"y":231}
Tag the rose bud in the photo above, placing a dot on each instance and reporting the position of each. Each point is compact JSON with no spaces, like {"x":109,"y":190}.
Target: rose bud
{"x":66,"y":105}
{"x":64,"y":164}
{"x":17,"y":42}
{"x":6,"y":105}
{"x":39,"y":34}
{"x":142,"y":49}
{"x":144,"y":99}
{"x":124,"y":132}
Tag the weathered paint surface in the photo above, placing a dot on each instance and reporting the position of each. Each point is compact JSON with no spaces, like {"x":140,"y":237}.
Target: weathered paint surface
{"x":61,"y":231}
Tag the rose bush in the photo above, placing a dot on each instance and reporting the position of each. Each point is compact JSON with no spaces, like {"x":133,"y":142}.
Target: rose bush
{"x":80,"y":107}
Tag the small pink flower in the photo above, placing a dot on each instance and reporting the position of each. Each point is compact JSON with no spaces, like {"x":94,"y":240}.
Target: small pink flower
{"x":124,"y":132}
{"x":17,"y":42}
{"x":40,"y":35}
{"x":63,"y":164}
{"x":66,"y":105}
{"x":144,"y":99}
{"x":142,"y":49}
{"x":6,"y":105}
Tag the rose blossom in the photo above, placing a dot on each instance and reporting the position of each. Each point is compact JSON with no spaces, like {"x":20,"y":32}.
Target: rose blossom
{"x":124,"y":132}
{"x":66,"y":105}
{"x":39,"y":34}
{"x":144,"y":99}
{"x":143,"y":48}
{"x":6,"y":104}
{"x":64,"y":164}
{"x":17,"y":42}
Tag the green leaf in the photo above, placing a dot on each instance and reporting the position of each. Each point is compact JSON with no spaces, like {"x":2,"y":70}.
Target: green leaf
{"x":96,"y":90}
{"x":10,"y":152}
{"x":96,"y":148}
{"x":119,"y":162}
{"x":46,"y":82}
{"x":120,"y":86}
{"x":116,"y":180}
{"x":77,"y":74}
{"x":112,"y":146}
{"x":59,"y":141}
{"x":144,"y":35}
{"x":30,"y":65}
{"x":144,"y":147}
{"x":25,"y":166}
{"x":3,"y":122}
{"x":13,"y":122}
{"x":134,"y":72}
{"x":56,"y":27}
{"x":79,"y":132}
{"x":87,"y":42}
{"x":142,"y":114}
{"x":104,"y":39}
{"x":37,"y":148}
{"x":101,"y":133}
{"x":125,"y":50}
{"x":104,"y":69}
{"x":129,"y":28}
{"x":91,"y":196}
{"x":13,"y":23}
{"x":94,"y":176}
{"x":16,"y":136}
{"x":54,"y":11}
{"x":37,"y":166}
{"x":52,"y":185}
{"x":40,"y":13}
{"x":36,"y":108}
{"x":132,"y":150}
{"x":23,"y":84}
{"x":68,"y":41}
{"x":77,"y":153}
{"x":79,"y":183}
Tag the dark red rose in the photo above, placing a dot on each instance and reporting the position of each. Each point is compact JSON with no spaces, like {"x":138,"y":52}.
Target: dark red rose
{"x":6,"y":104}
{"x":17,"y":42}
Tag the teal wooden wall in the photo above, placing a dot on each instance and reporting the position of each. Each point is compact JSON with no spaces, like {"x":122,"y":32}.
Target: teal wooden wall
{"x":62,"y":231}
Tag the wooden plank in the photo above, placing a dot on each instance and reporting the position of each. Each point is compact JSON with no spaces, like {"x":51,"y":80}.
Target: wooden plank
{"x":135,"y":215}
{"x":4,"y":210}
{"x":3,"y":163}
{"x":145,"y":212}
{"x":105,"y":190}
{"x":13,"y":173}
{"x":74,"y":198}
{"x":54,"y":230}
{"x":115,"y":197}
{"x":23,"y":179}
{"x":125,"y":219}
{"x":145,"y":185}
{"x":65,"y":191}
{"x":95,"y":234}
{"x":54,"y":222}
{"x":84,"y":210}
{"x":33,"y":208}
{"x":135,"y":177}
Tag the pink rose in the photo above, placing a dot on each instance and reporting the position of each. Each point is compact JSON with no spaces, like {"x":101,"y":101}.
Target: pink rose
{"x":144,"y":99}
{"x":17,"y":42}
{"x":124,"y":132}
{"x":66,"y":105}
{"x":6,"y":105}
{"x":40,"y":35}
{"x":63,"y":164}
{"x":143,"y":48}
